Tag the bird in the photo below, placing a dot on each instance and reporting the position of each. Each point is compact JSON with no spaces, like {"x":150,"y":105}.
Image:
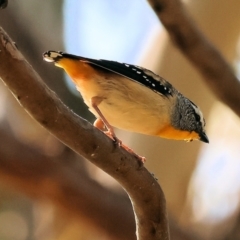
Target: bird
{"x":131,"y":98}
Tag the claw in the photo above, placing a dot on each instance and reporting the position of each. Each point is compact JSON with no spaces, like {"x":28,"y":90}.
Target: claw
{"x":118,"y":142}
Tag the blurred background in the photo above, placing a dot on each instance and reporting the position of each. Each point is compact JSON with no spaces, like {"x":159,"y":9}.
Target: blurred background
{"x":201,"y":181}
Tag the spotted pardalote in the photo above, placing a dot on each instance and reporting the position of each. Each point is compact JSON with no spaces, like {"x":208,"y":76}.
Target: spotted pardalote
{"x":132,"y":98}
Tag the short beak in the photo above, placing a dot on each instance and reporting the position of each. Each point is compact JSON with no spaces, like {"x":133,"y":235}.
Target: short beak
{"x":203,"y":137}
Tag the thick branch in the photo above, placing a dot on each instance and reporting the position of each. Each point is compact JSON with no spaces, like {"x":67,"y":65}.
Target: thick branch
{"x":42,"y":104}
{"x":62,"y":179}
{"x":187,"y":37}
{"x":54,"y":178}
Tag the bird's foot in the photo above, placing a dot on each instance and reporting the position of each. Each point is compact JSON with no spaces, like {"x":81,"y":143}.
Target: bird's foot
{"x":118,"y":142}
{"x":111,"y":134}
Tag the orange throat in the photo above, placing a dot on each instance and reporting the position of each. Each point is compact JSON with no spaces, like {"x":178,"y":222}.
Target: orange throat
{"x":176,"y":134}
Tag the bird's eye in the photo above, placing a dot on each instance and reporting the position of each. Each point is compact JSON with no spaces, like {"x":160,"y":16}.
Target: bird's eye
{"x":197,"y":117}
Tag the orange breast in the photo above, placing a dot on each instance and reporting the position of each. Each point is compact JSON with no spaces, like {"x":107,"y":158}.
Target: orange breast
{"x":84,"y":77}
{"x":76,"y":69}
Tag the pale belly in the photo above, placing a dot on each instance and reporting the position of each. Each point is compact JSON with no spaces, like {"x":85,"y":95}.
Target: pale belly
{"x":127,"y":105}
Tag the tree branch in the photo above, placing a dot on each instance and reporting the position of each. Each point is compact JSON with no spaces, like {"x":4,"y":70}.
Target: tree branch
{"x":64,"y":181}
{"x":42,"y":104}
{"x":217,"y":74}
{"x":55,"y":177}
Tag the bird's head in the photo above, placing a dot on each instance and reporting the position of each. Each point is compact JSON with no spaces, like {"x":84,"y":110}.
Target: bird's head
{"x":188,"y":117}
